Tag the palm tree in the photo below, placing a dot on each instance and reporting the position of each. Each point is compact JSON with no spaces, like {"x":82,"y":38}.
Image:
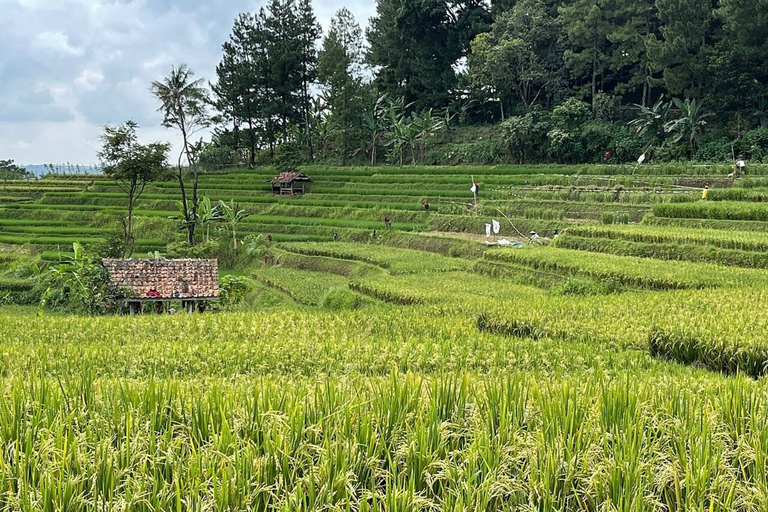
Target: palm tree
{"x":184,"y":104}
{"x":690,"y":125}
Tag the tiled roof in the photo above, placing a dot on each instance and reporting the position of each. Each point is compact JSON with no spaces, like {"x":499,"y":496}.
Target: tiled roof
{"x":168,"y":279}
{"x":287,"y":177}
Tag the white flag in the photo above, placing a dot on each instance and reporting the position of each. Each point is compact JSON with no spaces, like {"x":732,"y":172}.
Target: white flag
{"x":496,"y":227}
{"x":474,"y":188}
{"x":487,"y":230}
{"x":641,"y":158}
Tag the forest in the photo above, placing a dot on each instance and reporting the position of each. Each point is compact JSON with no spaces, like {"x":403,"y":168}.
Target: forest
{"x":510,"y":81}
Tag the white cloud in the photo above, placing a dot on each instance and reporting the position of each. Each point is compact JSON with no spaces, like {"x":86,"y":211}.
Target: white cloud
{"x":89,"y":79}
{"x":57,"y":43}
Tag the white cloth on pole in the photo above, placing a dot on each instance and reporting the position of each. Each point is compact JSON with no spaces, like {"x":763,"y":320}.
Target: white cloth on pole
{"x":487,"y":230}
{"x":741,"y":164}
{"x":496,"y":227}
{"x":641,"y":158}
{"x":474,"y":188}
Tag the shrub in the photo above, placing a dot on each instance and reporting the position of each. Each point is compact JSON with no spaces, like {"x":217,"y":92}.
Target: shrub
{"x":233,"y":290}
{"x":525,"y":137}
{"x":754,"y":145}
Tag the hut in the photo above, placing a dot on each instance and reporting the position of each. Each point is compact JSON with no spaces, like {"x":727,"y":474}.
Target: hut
{"x":164,"y":280}
{"x":290,"y":183}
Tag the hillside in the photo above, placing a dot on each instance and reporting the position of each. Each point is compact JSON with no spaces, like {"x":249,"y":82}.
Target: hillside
{"x":618,"y":366}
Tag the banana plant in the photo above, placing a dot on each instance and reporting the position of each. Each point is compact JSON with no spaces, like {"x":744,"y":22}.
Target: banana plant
{"x":231,"y":214}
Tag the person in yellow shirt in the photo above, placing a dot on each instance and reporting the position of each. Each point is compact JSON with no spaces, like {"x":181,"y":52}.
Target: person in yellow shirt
{"x":705,"y":193}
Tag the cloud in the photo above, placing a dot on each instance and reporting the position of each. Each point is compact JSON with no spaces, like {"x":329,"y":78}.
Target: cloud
{"x":70,"y":66}
{"x":55,"y":43}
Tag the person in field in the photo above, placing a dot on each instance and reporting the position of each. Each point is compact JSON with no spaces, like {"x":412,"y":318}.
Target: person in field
{"x":388,"y":222}
{"x":705,"y":192}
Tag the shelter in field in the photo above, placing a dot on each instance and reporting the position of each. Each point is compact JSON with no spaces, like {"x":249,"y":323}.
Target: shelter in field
{"x":290,"y":183}
{"x":161,"y":281}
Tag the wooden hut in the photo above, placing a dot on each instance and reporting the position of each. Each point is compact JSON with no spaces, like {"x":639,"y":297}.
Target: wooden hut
{"x":290,"y":183}
{"x":164,"y":280}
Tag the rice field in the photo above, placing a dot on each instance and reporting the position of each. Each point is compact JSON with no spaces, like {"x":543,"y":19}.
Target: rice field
{"x":418,"y":369}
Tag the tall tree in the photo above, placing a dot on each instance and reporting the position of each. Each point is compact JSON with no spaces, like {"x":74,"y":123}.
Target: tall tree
{"x":184,"y":106}
{"x":339,"y":70}
{"x":412,"y":46}
{"x":739,"y":64}
{"x":132,"y":166}
{"x":585,"y":28}
{"x":309,"y":33}
{"x":284,"y":70}
{"x":680,"y":51}
{"x":237,"y":92}
{"x":631,"y":25}
{"x":520,"y":58}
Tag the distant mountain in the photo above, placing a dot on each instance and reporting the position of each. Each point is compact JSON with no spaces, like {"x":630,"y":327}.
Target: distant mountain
{"x":42,"y":169}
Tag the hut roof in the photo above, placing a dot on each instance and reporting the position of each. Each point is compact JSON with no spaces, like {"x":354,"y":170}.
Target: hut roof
{"x":166,"y":279}
{"x":287,"y":177}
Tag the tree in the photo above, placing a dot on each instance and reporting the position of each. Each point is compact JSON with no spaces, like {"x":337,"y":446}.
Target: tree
{"x":412,"y":44}
{"x":339,"y":64}
{"x":131,"y":166}
{"x":681,"y":51}
{"x":309,"y":33}
{"x":184,"y":106}
{"x":520,"y":58}
{"x":238,"y":92}
{"x":585,"y":28}
{"x":11,"y":171}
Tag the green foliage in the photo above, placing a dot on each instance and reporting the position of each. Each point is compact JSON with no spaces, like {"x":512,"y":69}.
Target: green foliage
{"x":233,"y":291}
{"x":11,"y":171}
{"x":526,"y":136}
{"x":79,"y":284}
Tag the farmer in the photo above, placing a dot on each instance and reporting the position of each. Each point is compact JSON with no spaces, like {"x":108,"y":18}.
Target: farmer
{"x":269,"y":236}
{"x":705,"y":192}
{"x":266,"y":258}
{"x":741,"y":167}
{"x":335,"y":237}
{"x":425,"y":204}
{"x":388,"y":222}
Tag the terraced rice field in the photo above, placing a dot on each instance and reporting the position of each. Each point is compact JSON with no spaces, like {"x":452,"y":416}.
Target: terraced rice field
{"x":619,"y":367}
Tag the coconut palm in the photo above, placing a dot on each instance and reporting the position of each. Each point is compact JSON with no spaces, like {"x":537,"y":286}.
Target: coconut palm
{"x":184,"y":104}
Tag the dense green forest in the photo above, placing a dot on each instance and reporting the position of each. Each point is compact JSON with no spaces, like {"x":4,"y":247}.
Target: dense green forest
{"x":517,"y":81}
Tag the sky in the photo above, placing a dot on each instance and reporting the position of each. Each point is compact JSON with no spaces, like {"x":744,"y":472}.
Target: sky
{"x":68,"y":67}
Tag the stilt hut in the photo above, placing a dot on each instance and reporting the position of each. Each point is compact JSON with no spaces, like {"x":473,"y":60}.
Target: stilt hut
{"x":161,"y":281}
{"x":290,"y":183}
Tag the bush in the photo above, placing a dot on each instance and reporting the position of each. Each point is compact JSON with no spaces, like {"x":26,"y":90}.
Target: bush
{"x":754,"y":145}
{"x":525,"y":137}
{"x":80,"y":284}
{"x":232,"y":291}
{"x":715,"y":149}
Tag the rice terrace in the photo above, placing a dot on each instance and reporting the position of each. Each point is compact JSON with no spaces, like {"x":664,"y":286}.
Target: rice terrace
{"x":618,"y":366}
{"x":429,"y":256}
